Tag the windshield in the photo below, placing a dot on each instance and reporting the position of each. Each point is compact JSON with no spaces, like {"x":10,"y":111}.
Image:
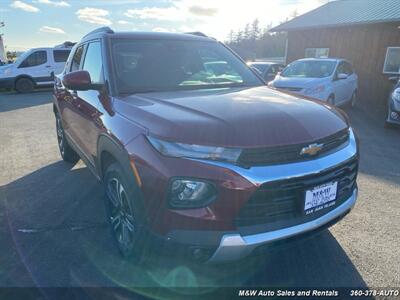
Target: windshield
{"x":164,"y":65}
{"x":309,"y":69}
{"x":22,"y":57}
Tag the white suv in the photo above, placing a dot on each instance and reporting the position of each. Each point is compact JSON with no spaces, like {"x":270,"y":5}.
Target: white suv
{"x":35,"y":67}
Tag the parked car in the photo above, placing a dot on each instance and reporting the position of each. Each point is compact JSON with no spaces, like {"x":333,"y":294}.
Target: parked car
{"x":34,"y":68}
{"x":267,"y":70}
{"x":218,"y":165}
{"x":393,"y":105}
{"x":329,"y":79}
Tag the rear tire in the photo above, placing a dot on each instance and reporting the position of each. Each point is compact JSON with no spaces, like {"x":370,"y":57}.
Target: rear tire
{"x":67,"y":153}
{"x":24,"y":85}
{"x":125,"y":212}
{"x":353,"y":100}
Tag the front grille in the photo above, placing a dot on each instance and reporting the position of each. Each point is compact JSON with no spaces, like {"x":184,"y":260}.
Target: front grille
{"x":281,"y":204}
{"x":291,"y":153}
{"x":291,"y":89}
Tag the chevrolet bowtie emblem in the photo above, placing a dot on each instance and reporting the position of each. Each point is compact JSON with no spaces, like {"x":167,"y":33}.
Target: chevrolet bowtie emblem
{"x":312,"y":149}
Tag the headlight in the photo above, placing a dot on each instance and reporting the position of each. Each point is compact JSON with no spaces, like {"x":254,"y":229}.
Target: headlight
{"x":195,"y":151}
{"x":5,"y":71}
{"x":190,"y":193}
{"x":396,"y":95}
{"x":315,"y":90}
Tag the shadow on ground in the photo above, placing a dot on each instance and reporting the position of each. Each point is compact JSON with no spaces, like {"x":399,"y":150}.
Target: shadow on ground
{"x":57,"y":220}
{"x":12,"y":101}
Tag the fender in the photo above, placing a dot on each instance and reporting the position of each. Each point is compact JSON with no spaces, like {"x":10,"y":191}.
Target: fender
{"x":105,"y":143}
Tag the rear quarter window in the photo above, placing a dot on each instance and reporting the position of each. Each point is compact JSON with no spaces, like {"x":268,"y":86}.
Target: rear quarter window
{"x":61,"y":55}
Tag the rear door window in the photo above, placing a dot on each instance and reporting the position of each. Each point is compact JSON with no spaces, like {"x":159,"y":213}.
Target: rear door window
{"x":61,"y":55}
{"x":37,"y":58}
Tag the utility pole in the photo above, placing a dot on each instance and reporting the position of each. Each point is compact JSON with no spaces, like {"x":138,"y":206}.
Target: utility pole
{"x":3,"y":54}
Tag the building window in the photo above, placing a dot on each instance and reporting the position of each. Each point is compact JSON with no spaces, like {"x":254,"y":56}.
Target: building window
{"x":392,"y":61}
{"x":317,"y":52}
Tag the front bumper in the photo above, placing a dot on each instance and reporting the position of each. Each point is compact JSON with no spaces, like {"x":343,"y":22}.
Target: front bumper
{"x":213,"y":227}
{"x":235,"y":246}
{"x":6,"y":83}
{"x":393,"y":107}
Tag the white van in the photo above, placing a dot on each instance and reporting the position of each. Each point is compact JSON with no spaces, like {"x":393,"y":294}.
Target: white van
{"x":34,"y":68}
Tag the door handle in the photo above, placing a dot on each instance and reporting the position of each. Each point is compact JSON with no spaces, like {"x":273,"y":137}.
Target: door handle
{"x":48,"y":66}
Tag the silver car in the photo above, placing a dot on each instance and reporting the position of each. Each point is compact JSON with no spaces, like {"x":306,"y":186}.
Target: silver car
{"x":327,"y":79}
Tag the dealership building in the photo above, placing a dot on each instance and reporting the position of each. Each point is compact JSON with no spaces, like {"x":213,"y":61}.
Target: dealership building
{"x":366,"y":32}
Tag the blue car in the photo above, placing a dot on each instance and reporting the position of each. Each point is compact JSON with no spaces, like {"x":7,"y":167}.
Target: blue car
{"x":393,"y":111}
{"x":328,"y":79}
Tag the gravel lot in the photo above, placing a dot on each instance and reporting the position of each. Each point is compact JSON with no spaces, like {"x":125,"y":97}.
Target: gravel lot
{"x":53,"y":233}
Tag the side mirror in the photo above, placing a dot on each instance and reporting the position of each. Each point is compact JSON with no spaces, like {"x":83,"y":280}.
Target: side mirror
{"x":341,"y":76}
{"x":79,"y":81}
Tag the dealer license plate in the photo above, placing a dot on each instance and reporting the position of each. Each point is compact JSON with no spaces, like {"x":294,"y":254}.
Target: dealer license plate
{"x":320,"y":197}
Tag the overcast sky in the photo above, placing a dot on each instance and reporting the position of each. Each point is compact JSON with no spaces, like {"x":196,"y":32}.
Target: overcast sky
{"x":36,"y":23}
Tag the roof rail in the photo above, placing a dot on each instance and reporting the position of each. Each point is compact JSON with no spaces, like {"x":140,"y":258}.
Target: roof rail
{"x":104,"y":29}
{"x":198,"y":33}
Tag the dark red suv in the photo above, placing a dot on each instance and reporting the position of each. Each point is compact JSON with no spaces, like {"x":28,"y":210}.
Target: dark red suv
{"x":192,"y":147}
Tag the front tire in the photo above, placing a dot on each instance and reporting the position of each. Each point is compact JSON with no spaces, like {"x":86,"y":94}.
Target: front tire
{"x":331,"y":100}
{"x":124,"y":212}
{"x":24,"y":85}
{"x":353,"y":100}
{"x":67,"y":153}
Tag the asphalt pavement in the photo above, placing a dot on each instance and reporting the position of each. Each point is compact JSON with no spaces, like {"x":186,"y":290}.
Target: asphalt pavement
{"x":53,"y":231}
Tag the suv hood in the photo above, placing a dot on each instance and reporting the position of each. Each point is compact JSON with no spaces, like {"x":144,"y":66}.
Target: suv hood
{"x":232,"y":117}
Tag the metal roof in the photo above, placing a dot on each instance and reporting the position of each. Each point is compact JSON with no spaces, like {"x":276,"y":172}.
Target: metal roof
{"x":345,"y":12}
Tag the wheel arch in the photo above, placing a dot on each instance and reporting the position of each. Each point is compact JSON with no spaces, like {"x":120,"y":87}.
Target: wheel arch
{"x":109,"y":151}
{"x":23,"y":76}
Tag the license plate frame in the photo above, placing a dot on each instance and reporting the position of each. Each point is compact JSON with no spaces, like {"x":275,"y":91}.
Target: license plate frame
{"x":320,"y":197}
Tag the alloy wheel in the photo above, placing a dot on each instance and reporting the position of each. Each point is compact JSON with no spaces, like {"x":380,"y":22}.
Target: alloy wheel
{"x":121,"y":215}
{"x":60,"y":136}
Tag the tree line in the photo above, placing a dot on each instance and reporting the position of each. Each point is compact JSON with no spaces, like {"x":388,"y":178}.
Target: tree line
{"x":253,"y":42}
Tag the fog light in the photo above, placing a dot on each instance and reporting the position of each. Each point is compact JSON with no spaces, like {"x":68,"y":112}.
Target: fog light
{"x":394,"y":115}
{"x":187,"y":193}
